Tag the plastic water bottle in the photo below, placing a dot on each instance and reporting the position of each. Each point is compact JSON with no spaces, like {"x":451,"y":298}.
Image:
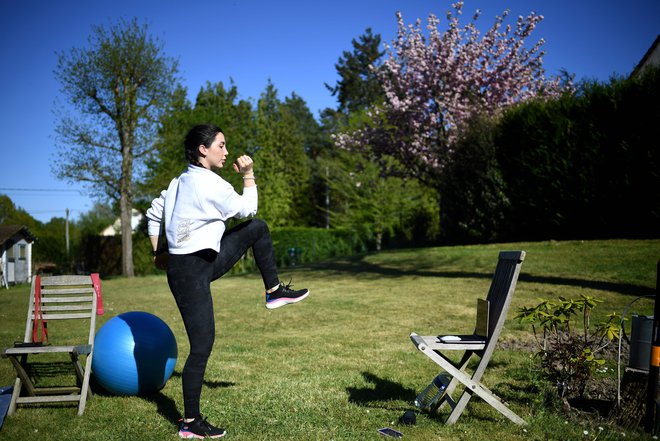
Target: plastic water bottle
{"x":433,"y":391}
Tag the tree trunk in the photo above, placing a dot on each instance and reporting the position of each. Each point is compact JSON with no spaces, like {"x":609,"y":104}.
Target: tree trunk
{"x":126,"y":237}
{"x":126,"y":203}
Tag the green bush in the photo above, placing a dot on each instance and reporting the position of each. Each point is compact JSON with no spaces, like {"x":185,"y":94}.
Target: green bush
{"x":143,"y":262}
{"x":293,"y":245}
{"x":473,"y":201}
{"x":296,"y":245}
{"x":568,"y":346}
{"x":584,"y":165}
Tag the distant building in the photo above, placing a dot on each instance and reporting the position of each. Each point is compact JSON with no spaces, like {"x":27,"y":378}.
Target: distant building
{"x":115,"y":228}
{"x":650,"y":58}
{"x":15,"y":254}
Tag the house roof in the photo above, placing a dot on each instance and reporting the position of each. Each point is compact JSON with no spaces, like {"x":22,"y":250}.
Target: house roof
{"x":649,"y":57}
{"x":9,"y":231}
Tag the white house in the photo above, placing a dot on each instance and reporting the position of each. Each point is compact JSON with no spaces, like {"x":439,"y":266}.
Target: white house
{"x":15,"y":254}
{"x":115,"y":228}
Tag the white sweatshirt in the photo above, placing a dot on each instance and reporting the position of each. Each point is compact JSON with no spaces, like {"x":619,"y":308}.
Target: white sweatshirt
{"x":195,"y":207}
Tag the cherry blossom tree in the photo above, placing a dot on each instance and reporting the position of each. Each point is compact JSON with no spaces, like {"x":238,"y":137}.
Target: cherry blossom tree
{"x":435,"y":82}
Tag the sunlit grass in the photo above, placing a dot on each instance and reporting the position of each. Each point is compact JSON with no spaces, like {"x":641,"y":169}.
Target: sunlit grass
{"x":340,"y":364}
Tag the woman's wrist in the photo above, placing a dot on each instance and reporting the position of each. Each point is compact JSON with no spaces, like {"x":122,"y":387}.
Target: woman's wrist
{"x":247,"y":176}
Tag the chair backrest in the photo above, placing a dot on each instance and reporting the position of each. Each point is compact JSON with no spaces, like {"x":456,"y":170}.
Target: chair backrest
{"x":501,"y":289}
{"x":68,"y":297}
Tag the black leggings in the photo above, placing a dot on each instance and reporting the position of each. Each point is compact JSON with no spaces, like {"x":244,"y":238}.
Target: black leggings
{"x":190,"y":277}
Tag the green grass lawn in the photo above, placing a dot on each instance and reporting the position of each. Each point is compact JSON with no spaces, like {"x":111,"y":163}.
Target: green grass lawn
{"x":340,"y":364}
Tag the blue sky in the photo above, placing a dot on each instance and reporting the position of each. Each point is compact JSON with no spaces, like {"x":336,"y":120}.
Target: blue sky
{"x":293,"y":43}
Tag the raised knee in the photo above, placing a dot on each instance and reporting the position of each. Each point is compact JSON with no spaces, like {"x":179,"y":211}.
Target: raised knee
{"x":260,"y":225}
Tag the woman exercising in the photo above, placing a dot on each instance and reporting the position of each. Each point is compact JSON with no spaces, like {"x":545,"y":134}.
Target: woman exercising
{"x":195,"y":208}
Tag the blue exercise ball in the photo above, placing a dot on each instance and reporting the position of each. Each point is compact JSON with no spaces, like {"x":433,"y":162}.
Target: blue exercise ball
{"x":134,"y":354}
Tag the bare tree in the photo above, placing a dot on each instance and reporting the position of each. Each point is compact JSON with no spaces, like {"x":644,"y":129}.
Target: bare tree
{"x":116,"y":89}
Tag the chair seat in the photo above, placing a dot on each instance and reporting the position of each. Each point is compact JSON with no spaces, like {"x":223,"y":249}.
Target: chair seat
{"x":77,"y":349}
{"x":435,"y":342}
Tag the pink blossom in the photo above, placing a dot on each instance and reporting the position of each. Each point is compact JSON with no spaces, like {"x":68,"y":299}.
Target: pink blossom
{"x":434,"y":83}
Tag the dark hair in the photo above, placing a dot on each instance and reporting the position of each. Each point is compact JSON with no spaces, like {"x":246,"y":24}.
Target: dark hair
{"x":203,"y":134}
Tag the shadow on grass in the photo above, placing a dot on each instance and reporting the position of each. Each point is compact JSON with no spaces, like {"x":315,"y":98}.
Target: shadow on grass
{"x":357,"y":265}
{"x":165,"y":406}
{"x":383,"y":390}
{"x":386,"y":391}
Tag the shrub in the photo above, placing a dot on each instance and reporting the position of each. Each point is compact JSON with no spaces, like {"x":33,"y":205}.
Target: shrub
{"x":473,"y":202}
{"x":577,"y":166}
{"x":569,"y":352}
{"x":295,"y":245}
{"x":298,"y":245}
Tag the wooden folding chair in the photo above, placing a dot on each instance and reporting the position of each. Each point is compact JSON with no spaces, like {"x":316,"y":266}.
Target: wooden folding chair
{"x":491,"y":315}
{"x":73,"y":302}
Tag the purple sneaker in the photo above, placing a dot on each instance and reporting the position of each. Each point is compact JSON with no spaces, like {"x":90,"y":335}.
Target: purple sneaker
{"x":284,"y":295}
{"x":199,"y":428}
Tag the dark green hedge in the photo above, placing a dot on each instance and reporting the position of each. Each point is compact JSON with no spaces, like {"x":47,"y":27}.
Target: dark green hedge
{"x":293,"y":246}
{"x":586,"y":165}
{"x":583,"y":166}
{"x":296,"y":245}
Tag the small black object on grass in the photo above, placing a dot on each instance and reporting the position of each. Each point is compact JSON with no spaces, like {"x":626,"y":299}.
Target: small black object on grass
{"x":409,"y":418}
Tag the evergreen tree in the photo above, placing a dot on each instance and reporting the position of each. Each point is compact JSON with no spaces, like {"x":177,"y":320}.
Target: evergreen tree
{"x":359,"y":87}
{"x":315,"y":142}
{"x":280,"y":162}
{"x":220,"y":105}
{"x":167,"y":160}
{"x":214,"y":104}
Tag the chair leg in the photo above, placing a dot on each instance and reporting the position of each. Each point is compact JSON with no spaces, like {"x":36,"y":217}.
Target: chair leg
{"x":448,"y":399}
{"x":22,"y":375}
{"x":85,"y":391}
{"x":472,"y":385}
{"x":14,"y":396}
{"x":459,"y":408}
{"x":460,"y":366}
{"x":486,"y":395}
{"x":498,"y":404}
{"x":76,"y":366}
